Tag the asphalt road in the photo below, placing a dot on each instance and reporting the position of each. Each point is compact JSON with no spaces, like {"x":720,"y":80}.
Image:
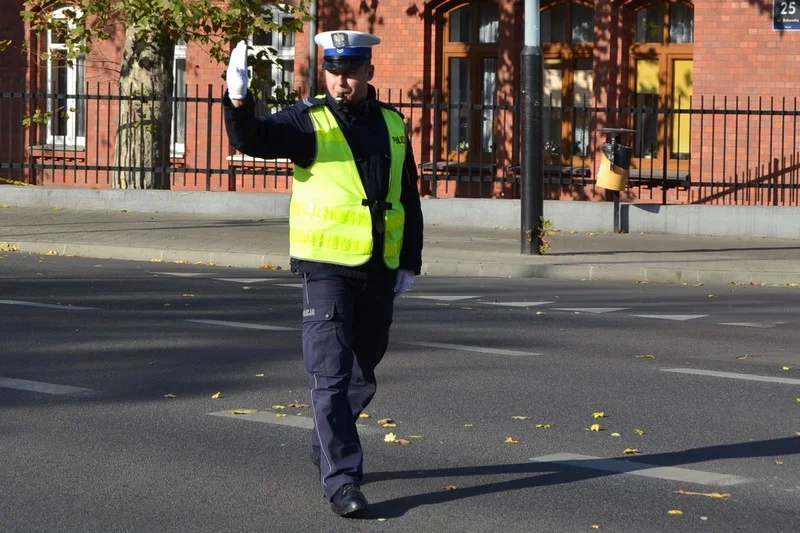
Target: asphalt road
{"x":107,"y":421}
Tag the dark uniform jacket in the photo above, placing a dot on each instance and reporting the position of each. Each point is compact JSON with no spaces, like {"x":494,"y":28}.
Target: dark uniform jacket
{"x":290,"y":133}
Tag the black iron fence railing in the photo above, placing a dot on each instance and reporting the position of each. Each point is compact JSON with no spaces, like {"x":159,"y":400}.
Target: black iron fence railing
{"x":702,"y":150}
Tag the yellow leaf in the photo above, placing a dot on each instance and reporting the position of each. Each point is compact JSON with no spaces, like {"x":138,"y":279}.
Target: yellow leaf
{"x":638,"y":431}
{"x":363,"y":415}
{"x":594,"y":427}
{"x":793,"y":284}
{"x":778,"y":462}
{"x":415,"y":436}
{"x":390,"y":437}
{"x":181,"y":262}
{"x":280,"y":415}
{"x":715,"y":495}
{"x":155,"y":260}
{"x":595,"y":526}
{"x":187,"y":295}
{"x":798,"y":399}
{"x":712,"y":295}
{"x":615,"y":434}
{"x":786,"y":367}
{"x":646,"y":356}
{"x":242,"y":411}
{"x":470,"y":425}
{"x":517,"y":417}
{"x":381,"y":520}
{"x":167,"y":304}
{"x":278,"y":407}
{"x":745,"y":356}
{"x":215,"y":396}
{"x":599,"y":414}
{"x":543,"y":426}
{"x":387,"y":423}
{"x":6,"y":247}
{"x":403,"y":442}
{"x":511,"y":440}
{"x":170,"y":395}
{"x":675,"y":512}
{"x":246,"y":287}
{"x":631,"y":451}
{"x":450,"y":487}
{"x":296,"y":405}
{"x":52,"y":252}
{"x":260,"y":375}
{"x":539,"y":312}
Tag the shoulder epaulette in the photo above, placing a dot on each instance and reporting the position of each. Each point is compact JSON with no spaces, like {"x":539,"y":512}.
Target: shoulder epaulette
{"x":390,"y":107}
{"x":309,"y":102}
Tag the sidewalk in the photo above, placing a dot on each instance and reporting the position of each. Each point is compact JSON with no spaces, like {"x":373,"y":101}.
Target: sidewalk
{"x":449,"y":251}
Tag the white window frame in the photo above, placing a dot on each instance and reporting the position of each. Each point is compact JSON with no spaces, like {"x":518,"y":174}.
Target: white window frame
{"x":71,"y":139}
{"x":277,"y":52}
{"x":178,"y":149}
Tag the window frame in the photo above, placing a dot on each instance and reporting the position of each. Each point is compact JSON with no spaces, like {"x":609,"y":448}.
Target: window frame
{"x":179,"y":95}
{"x":76,"y":72}
{"x":276,"y":51}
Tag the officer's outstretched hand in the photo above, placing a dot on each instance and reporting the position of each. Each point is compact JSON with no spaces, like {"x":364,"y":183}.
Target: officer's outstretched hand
{"x":237,"y":77}
{"x":405,"y":279}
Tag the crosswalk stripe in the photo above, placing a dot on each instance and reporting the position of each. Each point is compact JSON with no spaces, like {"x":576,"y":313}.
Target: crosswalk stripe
{"x":305,"y":422}
{"x":295,"y":285}
{"x":672,"y":317}
{"x":751,"y":324}
{"x":242,"y":325}
{"x":38,"y":386}
{"x":46,"y":306}
{"x":733,"y":375}
{"x":181,"y":274}
{"x":441,"y":298}
{"x":516,"y":304}
{"x":245,"y":280}
{"x":465,"y":348}
{"x":670,"y":473}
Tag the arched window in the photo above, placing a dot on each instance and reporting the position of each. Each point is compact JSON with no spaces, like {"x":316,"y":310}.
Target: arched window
{"x":66,"y":80}
{"x":567,"y":42}
{"x":662,"y":76}
{"x":470,"y":54}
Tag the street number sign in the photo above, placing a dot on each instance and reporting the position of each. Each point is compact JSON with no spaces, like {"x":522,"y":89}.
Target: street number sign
{"x":786,"y":15}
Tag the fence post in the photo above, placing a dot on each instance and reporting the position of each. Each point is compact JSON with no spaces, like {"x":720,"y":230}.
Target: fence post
{"x":437,"y":140}
{"x":209,"y":110}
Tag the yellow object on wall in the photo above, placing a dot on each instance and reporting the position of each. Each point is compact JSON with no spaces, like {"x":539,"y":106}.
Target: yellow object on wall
{"x":610,"y":176}
{"x":682,"y":89}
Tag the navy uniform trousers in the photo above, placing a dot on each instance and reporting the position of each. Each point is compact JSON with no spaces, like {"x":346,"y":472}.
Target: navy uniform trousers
{"x":345,"y":334}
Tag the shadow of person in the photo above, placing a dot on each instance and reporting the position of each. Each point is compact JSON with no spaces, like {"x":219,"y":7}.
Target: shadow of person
{"x":543,"y":474}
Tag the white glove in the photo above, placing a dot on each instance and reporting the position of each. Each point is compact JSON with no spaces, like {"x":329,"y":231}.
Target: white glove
{"x":237,"y":77}
{"x":405,"y":279}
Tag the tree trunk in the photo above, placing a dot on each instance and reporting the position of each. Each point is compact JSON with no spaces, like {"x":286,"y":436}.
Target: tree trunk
{"x":143,"y":137}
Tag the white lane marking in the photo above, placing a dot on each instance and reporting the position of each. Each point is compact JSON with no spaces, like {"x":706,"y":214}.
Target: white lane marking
{"x":671,"y":473}
{"x":443,"y":298}
{"x":245,"y":280}
{"x":46,"y":306}
{"x":181,"y":274}
{"x":732,"y":375}
{"x":672,"y":317}
{"x":464,"y":348}
{"x":515,"y":304}
{"x":595,"y":310}
{"x":268,"y":417}
{"x":242,"y":325}
{"x":38,"y":386}
{"x":297,"y":285}
{"x":751,"y":324}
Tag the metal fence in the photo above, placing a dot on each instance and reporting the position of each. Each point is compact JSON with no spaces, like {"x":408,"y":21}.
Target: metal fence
{"x":710,"y":150}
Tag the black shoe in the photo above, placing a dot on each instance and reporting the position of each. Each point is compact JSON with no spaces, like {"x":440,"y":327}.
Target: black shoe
{"x":348,"y":501}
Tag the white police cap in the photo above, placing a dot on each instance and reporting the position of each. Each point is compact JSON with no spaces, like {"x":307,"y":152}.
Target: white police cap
{"x":346,"y":48}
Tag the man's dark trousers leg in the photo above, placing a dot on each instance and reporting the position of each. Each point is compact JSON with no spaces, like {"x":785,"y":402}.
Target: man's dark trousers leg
{"x":345,"y":334}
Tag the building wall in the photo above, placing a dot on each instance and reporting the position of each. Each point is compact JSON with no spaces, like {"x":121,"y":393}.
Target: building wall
{"x":13,"y":68}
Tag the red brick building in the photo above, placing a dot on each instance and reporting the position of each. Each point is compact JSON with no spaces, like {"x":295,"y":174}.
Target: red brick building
{"x":605,"y":62}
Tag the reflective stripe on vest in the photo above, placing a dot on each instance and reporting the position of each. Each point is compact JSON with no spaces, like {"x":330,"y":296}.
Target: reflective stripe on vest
{"x":327,"y":219}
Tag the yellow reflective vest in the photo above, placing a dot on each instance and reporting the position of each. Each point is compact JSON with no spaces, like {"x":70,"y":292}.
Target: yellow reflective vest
{"x":329,"y":219}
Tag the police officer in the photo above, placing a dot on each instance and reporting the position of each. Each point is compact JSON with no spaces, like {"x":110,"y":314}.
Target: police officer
{"x":355,"y":235}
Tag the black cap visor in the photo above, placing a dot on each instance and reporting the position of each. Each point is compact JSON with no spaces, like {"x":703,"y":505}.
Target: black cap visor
{"x":337,"y":64}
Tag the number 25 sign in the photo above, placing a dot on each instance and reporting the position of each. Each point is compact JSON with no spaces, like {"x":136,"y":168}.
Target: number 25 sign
{"x":786,"y":15}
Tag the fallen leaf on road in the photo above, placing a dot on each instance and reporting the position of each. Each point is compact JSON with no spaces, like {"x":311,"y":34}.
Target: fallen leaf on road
{"x":390,"y":437}
{"x":181,"y":262}
{"x":5,"y":247}
{"x":187,"y":295}
{"x":278,"y":407}
{"x":246,"y":287}
{"x":599,"y":414}
{"x":646,"y":356}
{"x":403,"y":442}
{"x":715,"y":495}
{"x":712,"y":295}
{"x":170,"y":395}
{"x":280,"y":415}
{"x":155,"y":260}
{"x":745,"y":356}
{"x":52,"y":252}
{"x":296,"y":405}
{"x":363,"y":415}
{"x":615,"y":434}
{"x":415,"y":436}
{"x":543,"y":426}
{"x":387,"y":423}
{"x":439,"y":304}
{"x":594,"y":427}
{"x":470,"y":425}
{"x":511,"y":440}
{"x":638,"y":431}
{"x":260,"y":375}
{"x":539,"y":312}
{"x":381,"y":520}
{"x":675,"y":512}
{"x":215,"y":396}
{"x":242,"y":411}
{"x":778,"y":462}
{"x":450,"y":487}
{"x":519,"y":417}
{"x":167,"y":304}
{"x":595,"y":526}
{"x":793,"y":284}
{"x":786,"y":367}
{"x":631,"y":451}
